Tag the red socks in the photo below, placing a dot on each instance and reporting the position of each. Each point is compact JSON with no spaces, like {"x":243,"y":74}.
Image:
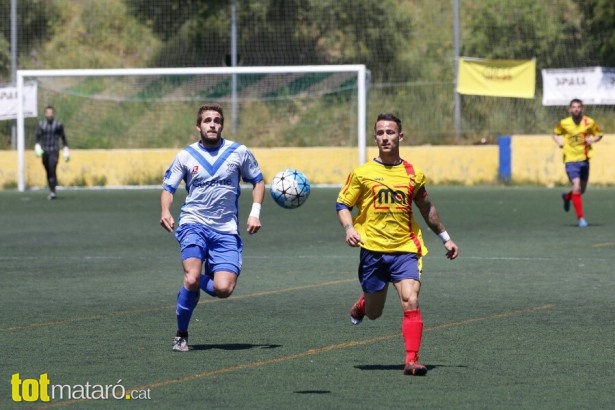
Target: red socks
{"x":578,"y":204}
{"x":412,"y":331}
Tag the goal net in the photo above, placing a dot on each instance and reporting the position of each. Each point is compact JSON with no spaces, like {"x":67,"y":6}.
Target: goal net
{"x":265,"y":107}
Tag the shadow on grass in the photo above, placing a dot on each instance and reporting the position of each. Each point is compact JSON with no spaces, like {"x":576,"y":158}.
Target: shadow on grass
{"x":312,"y":391}
{"x":233,"y":346}
{"x":589,"y":225}
{"x":399,"y":367}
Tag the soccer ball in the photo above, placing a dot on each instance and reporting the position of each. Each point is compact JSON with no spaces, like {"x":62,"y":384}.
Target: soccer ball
{"x":290,"y":188}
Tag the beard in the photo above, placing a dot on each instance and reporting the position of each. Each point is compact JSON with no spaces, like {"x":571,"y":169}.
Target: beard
{"x":210,"y":142}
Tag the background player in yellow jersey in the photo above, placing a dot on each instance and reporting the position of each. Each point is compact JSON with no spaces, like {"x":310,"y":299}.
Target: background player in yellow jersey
{"x":391,"y":242}
{"x":576,"y":135}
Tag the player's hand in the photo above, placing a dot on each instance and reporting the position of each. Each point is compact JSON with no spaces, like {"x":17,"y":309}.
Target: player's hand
{"x":167,"y":222}
{"x":353,"y":238}
{"x":452,"y":250}
{"x":38,"y":150}
{"x":66,"y":153}
{"x":254,"y":225}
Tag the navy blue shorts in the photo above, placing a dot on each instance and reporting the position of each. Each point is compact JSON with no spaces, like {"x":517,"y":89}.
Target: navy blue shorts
{"x":221,"y":251}
{"x":377,"y":269}
{"x":578,"y":169}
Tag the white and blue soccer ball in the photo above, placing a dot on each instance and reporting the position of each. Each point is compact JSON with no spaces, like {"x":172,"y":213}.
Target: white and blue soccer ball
{"x":290,"y":188}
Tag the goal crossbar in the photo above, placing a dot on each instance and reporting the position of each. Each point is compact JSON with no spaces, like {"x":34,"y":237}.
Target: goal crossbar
{"x":359,"y":69}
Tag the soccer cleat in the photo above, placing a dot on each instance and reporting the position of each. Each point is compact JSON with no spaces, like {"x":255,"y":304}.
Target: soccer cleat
{"x":357,"y":311}
{"x":414,"y":368}
{"x":566,"y":202}
{"x":583,"y":223}
{"x":180,"y":344}
{"x":52,"y":195}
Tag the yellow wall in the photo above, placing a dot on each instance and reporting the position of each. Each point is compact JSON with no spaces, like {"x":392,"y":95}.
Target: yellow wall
{"x":535,"y":159}
{"x":326,"y":165}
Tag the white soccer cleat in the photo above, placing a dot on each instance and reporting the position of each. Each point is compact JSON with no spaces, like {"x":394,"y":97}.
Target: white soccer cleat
{"x":180,"y":344}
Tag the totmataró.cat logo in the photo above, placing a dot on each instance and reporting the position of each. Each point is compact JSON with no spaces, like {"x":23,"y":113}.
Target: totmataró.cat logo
{"x":42,"y":389}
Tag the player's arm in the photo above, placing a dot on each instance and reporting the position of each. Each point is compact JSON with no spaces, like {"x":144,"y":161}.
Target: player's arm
{"x":62,"y":135}
{"x":430,"y":215}
{"x":65,"y":150}
{"x":559,"y":140}
{"x":166,"y":219}
{"x":557,"y":135}
{"x":593,"y":139}
{"x":596,"y":135}
{"x":258,"y":195}
{"x":353,"y":238}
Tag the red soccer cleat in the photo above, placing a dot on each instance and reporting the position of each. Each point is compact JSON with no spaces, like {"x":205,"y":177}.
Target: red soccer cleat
{"x":357,"y":311}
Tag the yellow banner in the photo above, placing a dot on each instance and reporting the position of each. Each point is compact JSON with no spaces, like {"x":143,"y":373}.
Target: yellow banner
{"x":497,"y":78}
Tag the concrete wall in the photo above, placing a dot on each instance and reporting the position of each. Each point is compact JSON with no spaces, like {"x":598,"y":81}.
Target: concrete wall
{"x":534,"y":159}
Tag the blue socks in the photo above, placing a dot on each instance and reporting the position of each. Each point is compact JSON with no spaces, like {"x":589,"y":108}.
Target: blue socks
{"x":186,"y":302}
{"x":207,"y":285}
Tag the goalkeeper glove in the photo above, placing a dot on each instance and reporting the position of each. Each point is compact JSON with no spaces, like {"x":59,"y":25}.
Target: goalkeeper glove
{"x":66,"y":154}
{"x":38,"y":150}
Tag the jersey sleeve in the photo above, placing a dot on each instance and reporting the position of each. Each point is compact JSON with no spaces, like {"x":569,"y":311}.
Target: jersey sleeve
{"x":62,"y":134}
{"x":39,"y":133}
{"x":558,"y":130}
{"x":420,"y":183}
{"x":351,"y":191}
{"x":174,"y":175}
{"x":250,"y":171}
{"x":595,"y":129}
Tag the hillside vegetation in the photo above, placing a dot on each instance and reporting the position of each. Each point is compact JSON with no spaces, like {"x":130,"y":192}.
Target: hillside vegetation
{"x":407,"y":46}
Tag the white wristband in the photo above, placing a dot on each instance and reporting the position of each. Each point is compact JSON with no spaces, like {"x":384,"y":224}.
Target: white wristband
{"x":256,"y":210}
{"x":444,"y":236}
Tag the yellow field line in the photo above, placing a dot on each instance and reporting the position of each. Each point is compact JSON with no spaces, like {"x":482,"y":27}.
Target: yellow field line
{"x":603,"y":245}
{"x":155,"y":309}
{"x":312,"y":352}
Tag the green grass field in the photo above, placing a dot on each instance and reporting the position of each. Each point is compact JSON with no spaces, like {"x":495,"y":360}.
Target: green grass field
{"x":523,"y":319}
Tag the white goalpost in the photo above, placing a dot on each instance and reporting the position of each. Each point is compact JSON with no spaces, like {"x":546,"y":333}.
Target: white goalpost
{"x":357,"y":71}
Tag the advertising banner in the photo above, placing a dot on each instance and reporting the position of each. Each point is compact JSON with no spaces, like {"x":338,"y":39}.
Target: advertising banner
{"x":497,"y":78}
{"x":9,"y":99}
{"x":592,"y":85}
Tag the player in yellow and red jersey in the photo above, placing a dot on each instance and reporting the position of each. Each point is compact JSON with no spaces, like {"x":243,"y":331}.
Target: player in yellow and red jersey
{"x":384,"y":227}
{"x":576,"y":135}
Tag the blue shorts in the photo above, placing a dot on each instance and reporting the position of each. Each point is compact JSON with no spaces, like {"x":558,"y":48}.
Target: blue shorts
{"x":220,"y":251}
{"x":377,"y":269}
{"x":578,"y":169}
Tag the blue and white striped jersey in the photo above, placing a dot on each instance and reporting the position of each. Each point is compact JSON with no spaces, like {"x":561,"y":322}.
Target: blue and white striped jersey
{"x":212,"y":179}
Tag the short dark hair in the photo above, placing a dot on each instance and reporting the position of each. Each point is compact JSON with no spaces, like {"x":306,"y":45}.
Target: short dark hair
{"x":575,"y":100}
{"x":387,"y":116}
{"x":50,"y":107}
{"x":210,"y":107}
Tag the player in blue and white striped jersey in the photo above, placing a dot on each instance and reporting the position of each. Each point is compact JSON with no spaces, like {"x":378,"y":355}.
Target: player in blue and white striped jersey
{"x":208,"y":231}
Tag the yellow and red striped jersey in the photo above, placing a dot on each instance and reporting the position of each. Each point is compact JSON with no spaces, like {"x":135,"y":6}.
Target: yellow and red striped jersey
{"x":383,"y":196}
{"x":575,"y":147}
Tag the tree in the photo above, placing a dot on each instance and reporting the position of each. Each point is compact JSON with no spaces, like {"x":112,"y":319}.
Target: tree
{"x":523,"y":29}
{"x":35,"y":20}
{"x":281,"y":32}
{"x":599,"y":35}
{"x":346,"y":35}
{"x":167,"y":17}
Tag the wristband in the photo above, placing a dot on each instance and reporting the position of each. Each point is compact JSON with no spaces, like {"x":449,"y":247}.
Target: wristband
{"x":256,"y":210}
{"x":444,"y":236}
